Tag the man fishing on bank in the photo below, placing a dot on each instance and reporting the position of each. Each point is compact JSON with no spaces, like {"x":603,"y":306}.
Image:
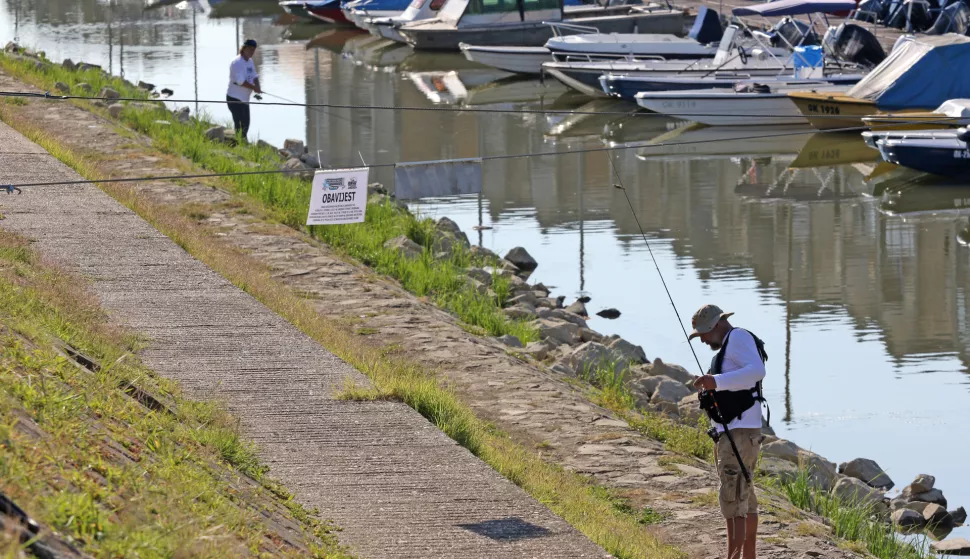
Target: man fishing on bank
{"x":734,"y":381}
{"x":243,"y":81}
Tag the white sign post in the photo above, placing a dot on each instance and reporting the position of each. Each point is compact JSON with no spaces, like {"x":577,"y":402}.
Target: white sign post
{"x":338,"y":196}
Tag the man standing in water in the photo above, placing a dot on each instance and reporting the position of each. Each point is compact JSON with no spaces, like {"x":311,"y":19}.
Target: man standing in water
{"x":243,"y":81}
{"x":735,"y":379}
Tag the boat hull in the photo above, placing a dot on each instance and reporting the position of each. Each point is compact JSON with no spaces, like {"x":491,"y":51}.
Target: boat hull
{"x":297,"y":9}
{"x":518,"y":60}
{"x":584,"y":81}
{"x":329,"y":13}
{"x":948,"y":158}
{"x":830,"y":112}
{"x":913,"y":120}
{"x":438,"y":35}
{"x":725,"y":109}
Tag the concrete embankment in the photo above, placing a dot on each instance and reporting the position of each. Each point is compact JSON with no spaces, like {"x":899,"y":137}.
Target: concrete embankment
{"x":396,"y":485}
{"x":528,"y":401}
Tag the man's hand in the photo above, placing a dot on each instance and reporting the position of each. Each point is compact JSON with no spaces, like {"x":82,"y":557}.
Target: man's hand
{"x":706,"y":382}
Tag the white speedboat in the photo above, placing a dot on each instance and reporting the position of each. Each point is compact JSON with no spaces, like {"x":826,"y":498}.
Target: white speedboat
{"x":417,"y":10}
{"x":745,"y":106}
{"x":526,"y":23}
{"x":701,"y":42}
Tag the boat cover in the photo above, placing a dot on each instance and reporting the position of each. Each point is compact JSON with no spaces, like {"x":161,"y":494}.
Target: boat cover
{"x":919,"y":73}
{"x":795,"y":8}
{"x":955,"y":108}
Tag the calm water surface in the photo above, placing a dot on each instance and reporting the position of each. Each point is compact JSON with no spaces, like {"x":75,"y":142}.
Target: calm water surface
{"x":861,"y":296}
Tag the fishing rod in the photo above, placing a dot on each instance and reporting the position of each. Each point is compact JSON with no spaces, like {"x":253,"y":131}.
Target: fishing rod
{"x":707,"y":401}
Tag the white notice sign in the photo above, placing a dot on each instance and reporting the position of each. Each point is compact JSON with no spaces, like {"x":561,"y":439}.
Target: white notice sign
{"x":338,"y":196}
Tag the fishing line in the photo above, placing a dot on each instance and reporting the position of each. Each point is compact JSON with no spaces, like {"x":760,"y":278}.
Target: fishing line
{"x":942,"y":119}
{"x":619,"y":185}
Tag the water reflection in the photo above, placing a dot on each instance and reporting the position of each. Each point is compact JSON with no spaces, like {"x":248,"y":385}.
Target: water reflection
{"x":853,"y":271}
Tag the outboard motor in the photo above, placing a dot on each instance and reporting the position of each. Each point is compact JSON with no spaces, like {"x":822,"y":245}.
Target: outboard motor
{"x":853,"y":43}
{"x":707,"y":27}
{"x":872,"y":11}
{"x":919,"y":17}
{"x":954,"y":18}
{"x":790,"y":33}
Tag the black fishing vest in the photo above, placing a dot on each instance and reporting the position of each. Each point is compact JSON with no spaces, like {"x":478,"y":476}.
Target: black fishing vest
{"x":733,"y":403}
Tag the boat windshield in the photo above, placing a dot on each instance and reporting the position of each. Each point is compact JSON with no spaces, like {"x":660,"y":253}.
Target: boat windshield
{"x":509,"y":6}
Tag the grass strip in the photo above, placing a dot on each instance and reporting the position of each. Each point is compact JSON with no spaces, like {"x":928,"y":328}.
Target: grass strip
{"x":594,"y":510}
{"x":442,"y":279}
{"x":85,"y":458}
{"x":857,"y":523}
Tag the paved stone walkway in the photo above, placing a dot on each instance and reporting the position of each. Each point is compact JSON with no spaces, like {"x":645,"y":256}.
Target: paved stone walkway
{"x":396,"y":485}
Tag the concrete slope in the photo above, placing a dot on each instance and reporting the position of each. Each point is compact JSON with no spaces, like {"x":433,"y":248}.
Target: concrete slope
{"x":396,"y":485}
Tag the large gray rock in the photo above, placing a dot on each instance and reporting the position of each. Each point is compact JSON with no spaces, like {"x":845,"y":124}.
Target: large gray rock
{"x":540,"y":287}
{"x":295,"y":167}
{"x":446,"y":225}
{"x":868,"y":471}
{"x":69,"y":65}
{"x":486,"y":255}
{"x":146,"y":86}
{"x":115,"y":111}
{"x":589,"y":357}
{"x":629,"y":352}
{"x":182,"y":114}
{"x":588,"y":335}
{"x":295,"y":147}
{"x":522,"y":259}
{"x":782,"y":449}
{"x":821,"y":471}
{"x":852,"y":490}
{"x":526,"y":298}
{"x":932,"y":496}
{"x":62,"y":87}
{"x":673,"y":371}
{"x":955,"y":546}
{"x":476,"y":286}
{"x":565,"y":332}
{"x":907,"y":519}
{"x":577,"y":308}
{"x":520,"y":312}
{"x":937,"y":518}
{"x":84,"y":87}
{"x":689,"y":409}
{"x":216,"y":133}
{"x":959,"y":515}
{"x":480,"y":275}
{"x":922,"y":484}
{"x":642,"y":389}
{"x":310,"y":160}
{"x":405,"y":246}
{"x":85,"y":66}
{"x":108,"y":94}
{"x":538,"y":350}
{"x":510,"y":340}
{"x":560,"y":314}
{"x":669,"y":390}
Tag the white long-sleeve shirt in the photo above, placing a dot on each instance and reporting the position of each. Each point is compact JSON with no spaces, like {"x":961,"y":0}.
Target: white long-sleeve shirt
{"x":241,"y":71}
{"x":741,"y":369}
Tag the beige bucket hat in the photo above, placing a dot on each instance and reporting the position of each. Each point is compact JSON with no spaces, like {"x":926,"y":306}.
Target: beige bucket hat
{"x":706,"y":318}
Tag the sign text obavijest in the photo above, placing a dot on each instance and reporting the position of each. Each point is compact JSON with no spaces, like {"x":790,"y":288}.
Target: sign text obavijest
{"x":338,"y":196}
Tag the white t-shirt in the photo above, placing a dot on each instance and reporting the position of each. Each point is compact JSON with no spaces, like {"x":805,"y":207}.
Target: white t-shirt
{"x":741,"y":369}
{"x":241,"y":71}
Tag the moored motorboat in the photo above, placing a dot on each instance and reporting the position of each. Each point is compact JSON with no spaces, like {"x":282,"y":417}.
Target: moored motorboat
{"x":584,"y":46}
{"x":941,"y":153}
{"x":526,"y":24}
{"x":417,"y":10}
{"x":327,"y":12}
{"x":917,"y":74}
{"x":752,"y":104}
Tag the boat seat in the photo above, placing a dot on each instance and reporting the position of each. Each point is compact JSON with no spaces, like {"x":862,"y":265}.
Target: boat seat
{"x":707,"y":27}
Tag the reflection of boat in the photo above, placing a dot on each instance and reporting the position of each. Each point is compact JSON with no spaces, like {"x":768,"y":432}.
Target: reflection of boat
{"x":524,"y":23}
{"x":441,"y":62}
{"x":733,"y":107}
{"x":917,"y":74}
{"x":374,"y":51}
{"x":826,"y":149}
{"x":334,"y":39}
{"x":451,"y":88}
{"x":930,"y":196}
{"x":244,"y":8}
{"x":513,"y":90}
{"x":588,"y":120}
{"x":637,"y":128}
{"x":698,"y":140}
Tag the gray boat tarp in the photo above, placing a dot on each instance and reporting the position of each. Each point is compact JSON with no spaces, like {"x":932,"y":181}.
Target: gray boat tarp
{"x":920,"y":73}
{"x":431,"y":179}
{"x":795,"y":8}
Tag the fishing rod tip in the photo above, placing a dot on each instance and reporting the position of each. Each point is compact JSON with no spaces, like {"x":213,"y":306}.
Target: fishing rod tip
{"x":619,"y":186}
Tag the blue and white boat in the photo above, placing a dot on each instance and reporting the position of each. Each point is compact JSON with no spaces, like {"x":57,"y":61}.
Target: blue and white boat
{"x":939,"y":152}
{"x":387,"y":27}
{"x":359,"y":12}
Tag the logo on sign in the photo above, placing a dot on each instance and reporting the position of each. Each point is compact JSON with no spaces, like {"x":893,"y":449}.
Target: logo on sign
{"x":352,"y":183}
{"x":333,"y":184}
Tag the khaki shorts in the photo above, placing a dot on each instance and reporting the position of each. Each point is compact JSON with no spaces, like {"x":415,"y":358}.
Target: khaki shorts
{"x":736,"y":496}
